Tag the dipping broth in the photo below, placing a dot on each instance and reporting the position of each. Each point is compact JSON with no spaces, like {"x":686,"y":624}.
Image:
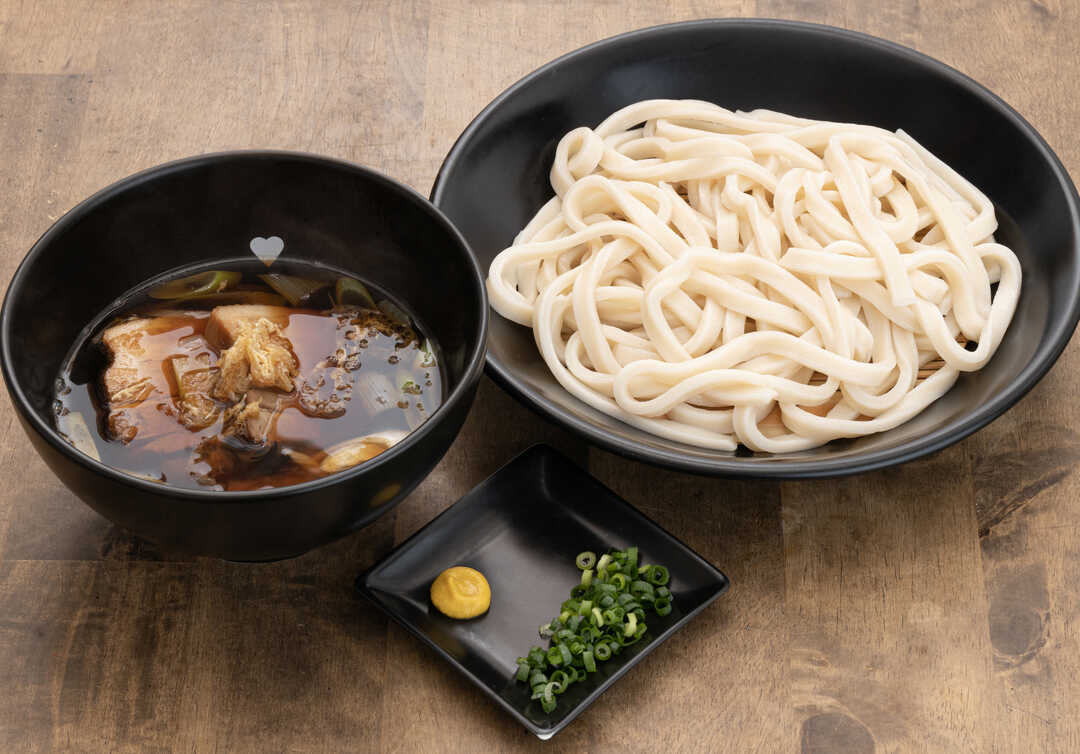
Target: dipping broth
{"x":238,"y":378}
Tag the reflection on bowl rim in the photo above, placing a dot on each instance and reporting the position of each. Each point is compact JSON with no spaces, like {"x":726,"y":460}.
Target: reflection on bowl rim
{"x":786,"y":467}
{"x":473,"y":360}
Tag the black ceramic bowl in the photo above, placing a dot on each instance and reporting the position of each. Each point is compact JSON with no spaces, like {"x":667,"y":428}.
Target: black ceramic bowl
{"x":210,"y":207}
{"x":496,"y":177}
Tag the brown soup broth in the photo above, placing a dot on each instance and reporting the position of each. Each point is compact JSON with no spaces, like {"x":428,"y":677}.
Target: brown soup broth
{"x":359,"y":372}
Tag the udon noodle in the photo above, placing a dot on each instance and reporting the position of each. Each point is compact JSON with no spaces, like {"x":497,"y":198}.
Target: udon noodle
{"x":718,"y":277}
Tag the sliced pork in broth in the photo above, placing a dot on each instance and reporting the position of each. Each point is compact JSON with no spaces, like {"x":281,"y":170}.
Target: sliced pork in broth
{"x":237,"y":384}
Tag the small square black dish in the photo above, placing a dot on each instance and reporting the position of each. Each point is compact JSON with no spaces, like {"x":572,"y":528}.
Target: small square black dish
{"x":522,"y":528}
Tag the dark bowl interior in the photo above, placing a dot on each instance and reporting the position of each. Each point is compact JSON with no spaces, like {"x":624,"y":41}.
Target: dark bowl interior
{"x":496,"y":177}
{"x":209,"y":208}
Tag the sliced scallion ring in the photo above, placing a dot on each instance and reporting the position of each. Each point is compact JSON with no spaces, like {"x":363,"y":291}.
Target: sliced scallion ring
{"x":658,"y":575}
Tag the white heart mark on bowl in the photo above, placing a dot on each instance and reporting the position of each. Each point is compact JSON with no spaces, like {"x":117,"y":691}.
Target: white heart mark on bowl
{"x":267,"y":249}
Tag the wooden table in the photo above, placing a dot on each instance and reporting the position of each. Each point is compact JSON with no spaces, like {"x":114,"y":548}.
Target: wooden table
{"x":930,"y":607}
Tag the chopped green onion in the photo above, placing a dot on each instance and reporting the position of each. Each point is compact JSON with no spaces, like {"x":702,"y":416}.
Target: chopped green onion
{"x":561,"y":679}
{"x":605,"y":612}
{"x":658,"y":575}
{"x":626,"y":641}
{"x":565,"y":653}
{"x":548,"y":699}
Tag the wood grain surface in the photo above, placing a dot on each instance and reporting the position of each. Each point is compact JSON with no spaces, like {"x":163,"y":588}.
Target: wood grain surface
{"x":932,"y":607}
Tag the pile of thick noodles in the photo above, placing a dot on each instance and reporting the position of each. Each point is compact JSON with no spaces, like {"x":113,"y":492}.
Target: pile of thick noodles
{"x":719,"y":277}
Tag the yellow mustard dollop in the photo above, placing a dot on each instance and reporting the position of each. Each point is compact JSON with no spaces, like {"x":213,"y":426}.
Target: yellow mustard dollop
{"x":461,"y":592}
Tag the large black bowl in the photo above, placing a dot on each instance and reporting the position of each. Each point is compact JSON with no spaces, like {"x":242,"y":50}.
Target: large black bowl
{"x":208,"y":208}
{"x":496,"y":177}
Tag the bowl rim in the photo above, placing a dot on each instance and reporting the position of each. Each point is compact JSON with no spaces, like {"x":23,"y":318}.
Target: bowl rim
{"x":788,"y":468}
{"x":461,"y":391}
